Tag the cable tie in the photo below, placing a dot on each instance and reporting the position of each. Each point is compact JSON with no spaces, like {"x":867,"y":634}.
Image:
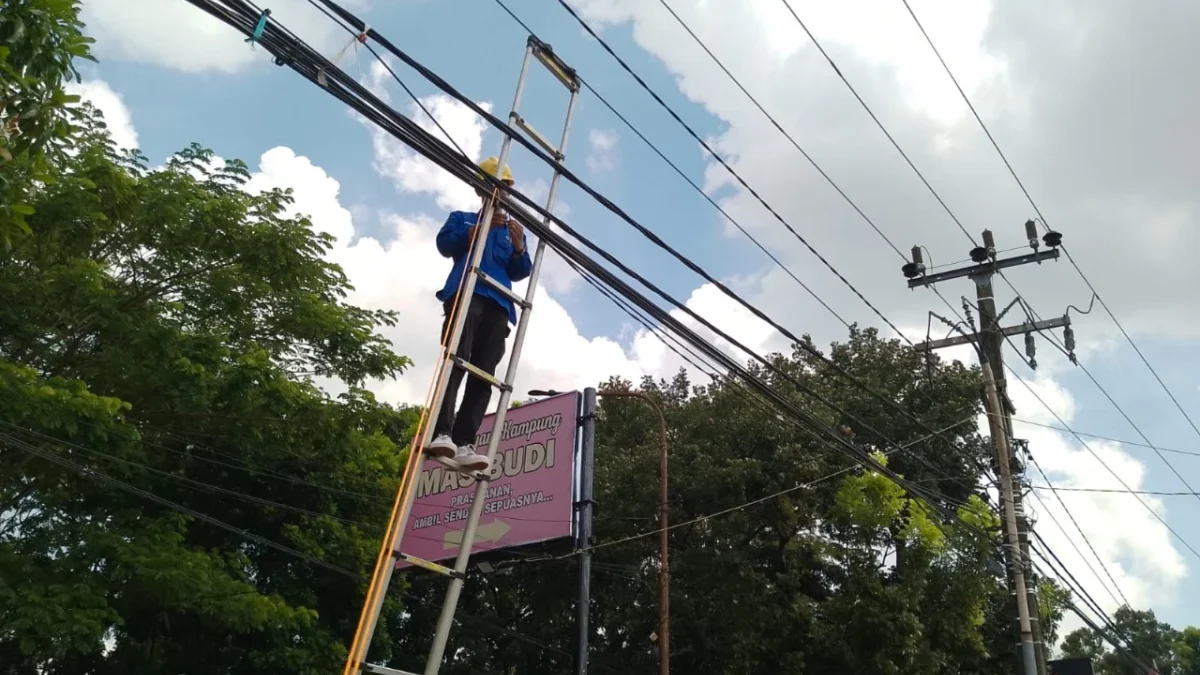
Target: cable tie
{"x":259,"y":28}
{"x":361,"y":38}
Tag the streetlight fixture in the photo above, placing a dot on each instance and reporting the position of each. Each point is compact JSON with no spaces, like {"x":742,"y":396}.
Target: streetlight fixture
{"x":664,"y":577}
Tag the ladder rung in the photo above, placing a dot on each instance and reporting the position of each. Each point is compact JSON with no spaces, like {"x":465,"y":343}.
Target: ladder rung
{"x":490,"y":379}
{"x":453,"y":466}
{"x":382,"y":670}
{"x":560,"y":70}
{"x":431,"y":566}
{"x":508,"y":292}
{"x":535,"y":135}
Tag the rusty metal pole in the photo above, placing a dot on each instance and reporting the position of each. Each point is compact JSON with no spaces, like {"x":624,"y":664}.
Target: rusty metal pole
{"x":664,"y":546}
{"x":664,"y":591}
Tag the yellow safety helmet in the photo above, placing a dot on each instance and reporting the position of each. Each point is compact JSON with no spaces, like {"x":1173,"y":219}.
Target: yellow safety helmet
{"x":489,"y":166}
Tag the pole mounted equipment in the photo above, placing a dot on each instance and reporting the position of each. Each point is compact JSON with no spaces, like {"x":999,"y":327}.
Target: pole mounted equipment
{"x":988,"y":341}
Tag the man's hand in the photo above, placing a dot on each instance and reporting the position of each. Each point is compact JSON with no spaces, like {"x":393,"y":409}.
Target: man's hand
{"x":499,"y":217}
{"x":517,"y":233}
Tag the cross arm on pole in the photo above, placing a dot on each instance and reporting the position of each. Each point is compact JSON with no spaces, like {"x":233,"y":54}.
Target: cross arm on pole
{"x":984,"y":268}
{"x":1019,"y":329}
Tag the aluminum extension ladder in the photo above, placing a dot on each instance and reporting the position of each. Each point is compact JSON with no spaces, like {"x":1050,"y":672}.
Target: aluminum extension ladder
{"x":381,"y":579}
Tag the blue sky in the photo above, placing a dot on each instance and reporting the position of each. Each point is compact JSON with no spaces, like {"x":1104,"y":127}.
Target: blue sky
{"x":1040,"y":81}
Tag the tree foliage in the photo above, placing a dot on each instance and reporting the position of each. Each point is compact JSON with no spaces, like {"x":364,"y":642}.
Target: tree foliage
{"x":161,"y":327}
{"x":1145,"y":641}
{"x":837,"y":573}
{"x":39,"y":40}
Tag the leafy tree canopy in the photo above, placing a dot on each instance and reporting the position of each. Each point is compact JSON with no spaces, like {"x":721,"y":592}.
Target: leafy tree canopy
{"x":162,"y":327}
{"x":1145,"y":640}
{"x":837,"y":573}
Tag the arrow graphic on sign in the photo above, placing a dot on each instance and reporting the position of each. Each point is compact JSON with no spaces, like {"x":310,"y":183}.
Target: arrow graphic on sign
{"x":491,"y":532}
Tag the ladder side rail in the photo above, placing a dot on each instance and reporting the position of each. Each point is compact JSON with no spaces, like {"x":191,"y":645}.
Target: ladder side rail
{"x":396,"y":530}
{"x":450,"y":604}
{"x":562,"y":149}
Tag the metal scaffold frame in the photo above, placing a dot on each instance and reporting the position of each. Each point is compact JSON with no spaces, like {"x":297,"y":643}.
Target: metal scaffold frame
{"x":390,"y":551}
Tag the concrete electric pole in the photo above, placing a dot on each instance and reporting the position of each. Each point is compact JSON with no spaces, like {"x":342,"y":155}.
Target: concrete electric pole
{"x":989,"y":343}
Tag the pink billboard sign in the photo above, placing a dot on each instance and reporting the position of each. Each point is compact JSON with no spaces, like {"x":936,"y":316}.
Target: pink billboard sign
{"x":529,"y":496}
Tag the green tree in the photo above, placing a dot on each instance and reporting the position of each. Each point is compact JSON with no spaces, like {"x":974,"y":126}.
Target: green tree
{"x":1145,"y":640}
{"x":807,"y":581}
{"x":39,"y":39}
{"x":1187,"y":651}
{"x":162,"y":327}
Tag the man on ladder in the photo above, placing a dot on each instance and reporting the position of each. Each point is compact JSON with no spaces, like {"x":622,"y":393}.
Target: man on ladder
{"x":489,"y":313}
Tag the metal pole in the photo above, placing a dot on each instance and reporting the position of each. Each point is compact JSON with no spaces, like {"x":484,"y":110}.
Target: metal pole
{"x":664,"y":547}
{"x":584,"y":540}
{"x":1000,"y":441}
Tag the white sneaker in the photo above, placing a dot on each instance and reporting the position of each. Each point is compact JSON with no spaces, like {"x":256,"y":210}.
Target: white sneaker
{"x":441,"y":446}
{"x":469,"y":460}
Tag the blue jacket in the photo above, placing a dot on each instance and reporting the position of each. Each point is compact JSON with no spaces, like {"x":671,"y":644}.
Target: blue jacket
{"x":500,"y":261}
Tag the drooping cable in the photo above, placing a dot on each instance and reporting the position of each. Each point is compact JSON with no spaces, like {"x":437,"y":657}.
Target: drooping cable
{"x":1099,"y":459}
{"x":427,"y":143}
{"x":1109,"y":632}
{"x":308,"y":63}
{"x":87,"y":472}
{"x":1041,"y":217}
{"x":1086,"y":539}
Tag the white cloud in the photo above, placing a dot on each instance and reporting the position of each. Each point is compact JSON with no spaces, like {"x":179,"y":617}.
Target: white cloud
{"x":603,"y":155}
{"x":182,"y":37}
{"x":116,"y":114}
{"x":409,"y":171}
{"x":1136,"y":548}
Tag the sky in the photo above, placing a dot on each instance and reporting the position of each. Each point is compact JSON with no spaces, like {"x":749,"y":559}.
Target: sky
{"x":1090,"y":103}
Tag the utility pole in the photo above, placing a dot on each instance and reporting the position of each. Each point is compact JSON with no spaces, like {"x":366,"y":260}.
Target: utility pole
{"x":989,"y":342}
{"x":1029,"y":659}
{"x":584,"y":541}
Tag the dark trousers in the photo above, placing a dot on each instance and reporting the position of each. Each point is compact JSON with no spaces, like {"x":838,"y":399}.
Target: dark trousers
{"x":482,"y":345}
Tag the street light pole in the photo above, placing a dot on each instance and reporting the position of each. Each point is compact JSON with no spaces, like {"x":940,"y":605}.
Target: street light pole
{"x":664,"y":579}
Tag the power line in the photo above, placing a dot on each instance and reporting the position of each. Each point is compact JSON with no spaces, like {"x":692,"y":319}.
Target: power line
{"x":250,"y":536}
{"x":732,"y":171}
{"x":1093,"y":453}
{"x":308,"y":63}
{"x":770,"y":118}
{"x":754,"y":502}
{"x":1110,"y":439}
{"x":878,"y":123}
{"x":1046,"y":225}
{"x":1114,"y":491}
{"x":782,"y":130}
{"x":1077,"y":588}
{"x":1078,"y":529}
